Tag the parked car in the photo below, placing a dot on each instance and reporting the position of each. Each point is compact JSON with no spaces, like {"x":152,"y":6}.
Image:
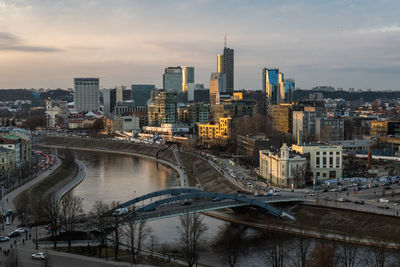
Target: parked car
{"x":21,"y":230}
{"x":277,"y":193}
{"x":340,"y":199}
{"x":361,"y":202}
{"x":14,"y":234}
{"x":327,"y":198}
{"x":39,"y":256}
{"x":384,"y":200}
{"x":4,"y":238}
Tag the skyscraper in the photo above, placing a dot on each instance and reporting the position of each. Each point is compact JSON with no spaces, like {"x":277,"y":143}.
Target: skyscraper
{"x":162,"y":109}
{"x":270,"y":84}
{"x":229,"y":68}
{"x":220,"y":63}
{"x":109,"y":100}
{"x":86,"y":95}
{"x":217,"y":86}
{"x":141,"y":93}
{"x":187,"y":77}
{"x":289,"y":90}
{"x":119,"y":94}
{"x":172,"y":79}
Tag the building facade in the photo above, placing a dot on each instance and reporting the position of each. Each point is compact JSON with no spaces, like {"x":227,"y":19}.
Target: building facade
{"x":216,"y":131}
{"x":162,"y":109}
{"x":281,"y":115}
{"x":326,"y":161}
{"x":86,"y":94}
{"x":187,"y":78}
{"x":283,"y":169}
{"x":228,"y":69}
{"x":141,"y":93}
{"x":172,"y":79}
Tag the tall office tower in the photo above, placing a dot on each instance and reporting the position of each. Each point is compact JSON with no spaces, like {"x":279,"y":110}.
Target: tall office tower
{"x":141,"y":93}
{"x":187,"y":77}
{"x":217,"y":86}
{"x":119,"y":93}
{"x":220,"y":63}
{"x":281,"y":85}
{"x":162,"y":109}
{"x":109,"y":100}
{"x":86,"y":94}
{"x":289,"y":90}
{"x":270,"y":84}
{"x":172,"y":79}
{"x":228,"y":69}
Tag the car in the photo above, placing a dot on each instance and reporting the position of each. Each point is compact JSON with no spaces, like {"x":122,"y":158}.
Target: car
{"x":340,"y":199}
{"x":361,"y":202}
{"x":39,"y":256}
{"x":325,"y":190}
{"x":277,"y":193}
{"x":388,"y":187}
{"x":384,"y":200}
{"x":216,"y":199}
{"x":334,"y":190}
{"x":186,"y":203}
{"x":21,"y":230}
{"x":4,"y":238}
{"x":387,"y":183}
{"x":14,"y":234}
{"x":327,"y":198}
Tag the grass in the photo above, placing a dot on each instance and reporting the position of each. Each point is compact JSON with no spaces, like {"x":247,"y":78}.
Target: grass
{"x":35,"y":198}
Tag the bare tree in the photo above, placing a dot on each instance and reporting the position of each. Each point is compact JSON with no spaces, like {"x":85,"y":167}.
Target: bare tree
{"x":192,"y":229}
{"x":301,"y":245}
{"x":231,"y":242}
{"x":298,"y":174}
{"x":276,"y":249}
{"x":153,"y":243}
{"x":71,"y":208}
{"x":116,"y":234}
{"x":377,"y":256}
{"x":52,"y":211}
{"x":323,"y":255}
{"x":349,"y":250}
{"x":101,"y":220}
{"x":143,"y":231}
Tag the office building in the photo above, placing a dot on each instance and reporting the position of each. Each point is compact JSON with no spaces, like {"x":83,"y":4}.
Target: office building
{"x":217,"y":86}
{"x":109,"y":101}
{"x":281,"y":115}
{"x":172,"y":79}
{"x":141,"y":93}
{"x":202,"y":95}
{"x":228,"y":68}
{"x":210,"y":132}
{"x":285,"y":168}
{"x":162,"y":109}
{"x":126,"y":94}
{"x":329,"y":129}
{"x":325,"y":160}
{"x":86,"y":94}
{"x":187,"y":78}
{"x":270,"y":83}
{"x":119,"y":93}
{"x":234,"y":109}
{"x":198,"y":113}
{"x":288,"y":92}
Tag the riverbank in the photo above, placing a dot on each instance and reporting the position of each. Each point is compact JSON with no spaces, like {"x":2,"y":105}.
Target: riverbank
{"x":37,"y":194}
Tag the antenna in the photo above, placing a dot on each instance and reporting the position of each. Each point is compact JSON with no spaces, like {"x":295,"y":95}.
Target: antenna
{"x":225,"y":41}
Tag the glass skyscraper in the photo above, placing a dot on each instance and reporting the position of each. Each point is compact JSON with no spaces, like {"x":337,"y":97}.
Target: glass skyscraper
{"x":271,"y":85}
{"x":172,"y":79}
{"x":187,"y":77}
{"x":228,"y":68}
{"x":141,"y":93}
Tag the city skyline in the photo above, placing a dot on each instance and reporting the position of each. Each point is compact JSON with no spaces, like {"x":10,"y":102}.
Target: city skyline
{"x":341,"y":43}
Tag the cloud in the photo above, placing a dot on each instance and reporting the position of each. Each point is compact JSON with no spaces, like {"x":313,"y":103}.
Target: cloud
{"x":383,"y":29}
{"x":11,"y":42}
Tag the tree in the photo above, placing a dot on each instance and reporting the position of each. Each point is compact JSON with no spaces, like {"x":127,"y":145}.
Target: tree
{"x":100,"y":219}
{"x":231,"y":242}
{"x":143,"y":231}
{"x":302,"y":245}
{"x":52,"y":210}
{"x":323,"y":255}
{"x":116,"y":234}
{"x":377,"y":256}
{"x":276,"y":249}
{"x":192,"y":229}
{"x":349,"y":250}
{"x":298,"y":174}
{"x":71,"y":208}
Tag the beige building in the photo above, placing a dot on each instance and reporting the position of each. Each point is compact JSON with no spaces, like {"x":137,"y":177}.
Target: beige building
{"x":286,"y":169}
{"x":6,"y":161}
{"x":281,"y":117}
{"x":325,"y":160}
{"x":211,"y":131}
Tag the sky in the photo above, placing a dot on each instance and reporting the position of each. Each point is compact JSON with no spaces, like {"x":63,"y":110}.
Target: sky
{"x":342,"y":43}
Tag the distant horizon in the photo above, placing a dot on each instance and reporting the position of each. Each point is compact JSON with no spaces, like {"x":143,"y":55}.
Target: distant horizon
{"x":345,"y":44}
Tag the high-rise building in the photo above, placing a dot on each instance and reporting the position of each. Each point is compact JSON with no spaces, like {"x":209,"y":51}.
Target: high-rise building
{"x":281,"y":115}
{"x":172,"y":79}
{"x":287,"y":96}
{"x":229,"y":68}
{"x":86,"y":94}
{"x":187,"y":78}
{"x":217,"y":86}
{"x":162,"y":109}
{"x":270,"y":85}
{"x":109,"y":100}
{"x":119,"y":93}
{"x":220,"y":63}
{"x":141,"y":93}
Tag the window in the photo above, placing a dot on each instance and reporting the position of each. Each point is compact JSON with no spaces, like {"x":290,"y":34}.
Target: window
{"x":331,"y":162}
{"x":324,"y":175}
{"x":324,"y":162}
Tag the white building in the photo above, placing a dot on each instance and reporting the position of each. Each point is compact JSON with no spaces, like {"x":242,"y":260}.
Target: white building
{"x":56,"y":113}
{"x":86,"y":95}
{"x":285,"y":169}
{"x":325,"y":160}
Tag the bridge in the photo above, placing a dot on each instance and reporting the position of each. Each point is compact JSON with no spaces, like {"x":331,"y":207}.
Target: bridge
{"x":178,"y":201}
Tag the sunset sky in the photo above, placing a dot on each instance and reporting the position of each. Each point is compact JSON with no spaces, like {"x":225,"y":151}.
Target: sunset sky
{"x":45,"y":43}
